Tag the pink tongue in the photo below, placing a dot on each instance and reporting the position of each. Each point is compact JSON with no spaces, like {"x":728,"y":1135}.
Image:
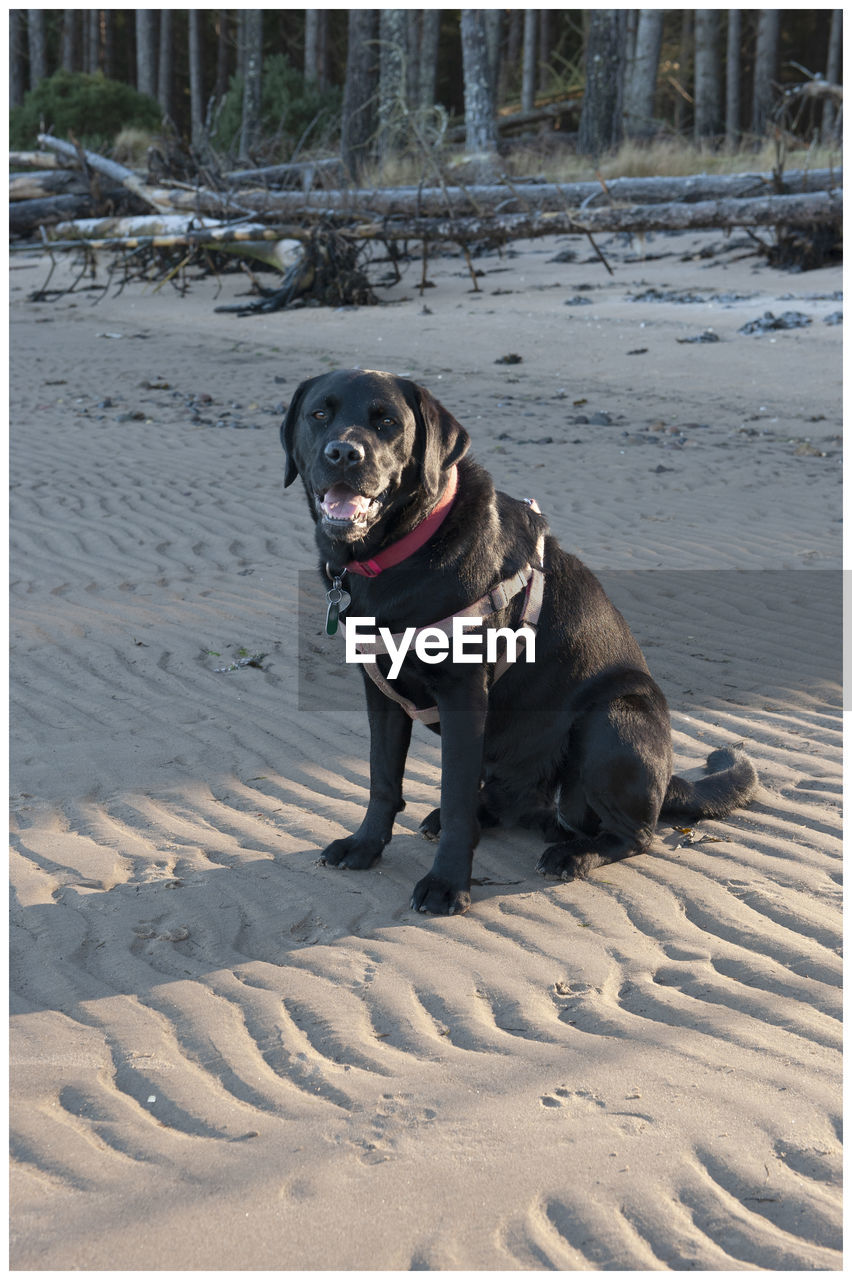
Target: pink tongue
{"x":342,"y":503}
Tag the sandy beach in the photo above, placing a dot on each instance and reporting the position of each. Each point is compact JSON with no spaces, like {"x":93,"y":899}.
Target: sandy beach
{"x":226,"y":1056}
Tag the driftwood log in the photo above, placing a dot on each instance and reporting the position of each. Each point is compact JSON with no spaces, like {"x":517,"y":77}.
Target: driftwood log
{"x":821,"y":207}
{"x":116,"y":173}
{"x":342,"y":206}
{"x":26,"y":216}
{"x":332,"y":225}
{"x":298,"y":174}
{"x":41,"y":184}
{"x":455,"y":201}
{"x":511,"y":197}
{"x":34,"y":160}
{"x":173,"y":231}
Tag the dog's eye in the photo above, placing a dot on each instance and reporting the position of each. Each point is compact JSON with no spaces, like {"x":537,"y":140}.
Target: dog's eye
{"x":319,"y":414}
{"x":387,"y":421}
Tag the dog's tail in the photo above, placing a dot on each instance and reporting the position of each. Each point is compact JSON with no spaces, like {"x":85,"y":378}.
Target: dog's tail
{"x":731,"y":781}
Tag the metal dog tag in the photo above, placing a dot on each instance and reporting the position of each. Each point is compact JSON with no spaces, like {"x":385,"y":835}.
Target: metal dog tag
{"x":338,"y":602}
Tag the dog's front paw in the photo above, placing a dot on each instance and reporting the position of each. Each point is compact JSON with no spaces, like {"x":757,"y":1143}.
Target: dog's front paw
{"x":357,"y":854}
{"x":561,"y":862}
{"x":438,"y":896}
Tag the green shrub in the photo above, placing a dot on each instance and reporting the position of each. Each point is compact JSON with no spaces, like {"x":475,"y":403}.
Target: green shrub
{"x":91,"y":107}
{"x":288,"y":106}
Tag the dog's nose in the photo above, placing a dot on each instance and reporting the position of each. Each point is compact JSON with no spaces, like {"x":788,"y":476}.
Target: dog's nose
{"x":344,"y":453}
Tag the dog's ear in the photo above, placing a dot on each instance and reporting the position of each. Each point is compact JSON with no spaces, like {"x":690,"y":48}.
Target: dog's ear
{"x":441,"y":439}
{"x":288,"y":430}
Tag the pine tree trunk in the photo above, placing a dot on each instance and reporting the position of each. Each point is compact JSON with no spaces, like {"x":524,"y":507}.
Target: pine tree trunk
{"x":107,"y":41}
{"x":311,"y":38}
{"x":16,"y":61}
{"x":241,"y":43}
{"x":358,"y":123}
{"x":146,"y":58}
{"x":93,"y":39}
{"x":69,"y":42}
{"x":600,"y":119}
{"x":429,"y":34}
{"x":413,"y":30}
{"x":37,"y":46}
{"x":511,"y":62}
{"x":732,"y":78}
{"x":322,"y":49}
{"x":545,"y":35}
{"x":393,"y":47}
{"x":480,"y":125}
{"x":833,"y":71}
{"x":250,"y":132}
{"x":528,"y":77}
{"x":221,"y":55}
{"x":493,"y":41}
{"x":687,"y":25}
{"x":708,"y":75}
{"x":641,"y":85}
{"x":765,"y":61}
{"x":164,"y":70}
{"x":631,"y":22}
{"x":196,"y":88}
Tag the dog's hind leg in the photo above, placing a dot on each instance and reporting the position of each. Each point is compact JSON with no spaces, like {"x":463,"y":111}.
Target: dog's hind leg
{"x":612,"y":828}
{"x":574,"y":859}
{"x":611,"y":800}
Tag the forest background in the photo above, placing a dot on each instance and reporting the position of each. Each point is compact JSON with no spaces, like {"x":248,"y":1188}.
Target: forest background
{"x":376,"y":86}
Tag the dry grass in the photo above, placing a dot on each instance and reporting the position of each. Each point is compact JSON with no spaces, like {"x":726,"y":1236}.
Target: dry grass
{"x":131,"y":147}
{"x":667,"y":158}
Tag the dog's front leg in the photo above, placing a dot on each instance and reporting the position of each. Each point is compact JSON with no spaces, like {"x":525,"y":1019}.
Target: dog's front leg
{"x":390,"y":734}
{"x":446,"y":889}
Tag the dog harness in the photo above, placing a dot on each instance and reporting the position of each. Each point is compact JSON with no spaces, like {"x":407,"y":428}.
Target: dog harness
{"x":529,"y":579}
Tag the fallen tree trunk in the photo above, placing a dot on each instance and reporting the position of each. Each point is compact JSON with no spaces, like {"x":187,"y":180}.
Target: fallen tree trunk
{"x":108,"y":169}
{"x":770,"y":211}
{"x":107,"y":235}
{"x":818,"y":208}
{"x":501,"y":198}
{"x":34,"y":160}
{"x":523,"y":119}
{"x":162,"y":199}
{"x":455,"y":201}
{"x":41,"y":184}
{"x":174,"y":231}
{"x":26,"y":215}
{"x":301,"y":172}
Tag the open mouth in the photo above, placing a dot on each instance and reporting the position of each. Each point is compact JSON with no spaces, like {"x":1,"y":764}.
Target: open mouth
{"x":345,"y":508}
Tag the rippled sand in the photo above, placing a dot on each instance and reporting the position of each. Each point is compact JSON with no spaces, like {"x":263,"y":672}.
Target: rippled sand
{"x":225,"y":1056}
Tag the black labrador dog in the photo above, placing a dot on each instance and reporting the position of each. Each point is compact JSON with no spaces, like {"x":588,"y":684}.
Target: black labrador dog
{"x":576,"y":742}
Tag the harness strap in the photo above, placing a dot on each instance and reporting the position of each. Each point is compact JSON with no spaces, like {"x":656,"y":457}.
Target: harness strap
{"x":428,"y":715}
{"x":529,"y":579}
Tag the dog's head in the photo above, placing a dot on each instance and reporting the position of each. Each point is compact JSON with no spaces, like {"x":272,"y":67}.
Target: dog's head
{"x":366,"y":444}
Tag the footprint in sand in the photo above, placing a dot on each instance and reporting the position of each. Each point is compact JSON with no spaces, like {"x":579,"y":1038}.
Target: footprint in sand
{"x":582,"y":1099}
{"x":394,"y":1115}
{"x":586,"y":1102}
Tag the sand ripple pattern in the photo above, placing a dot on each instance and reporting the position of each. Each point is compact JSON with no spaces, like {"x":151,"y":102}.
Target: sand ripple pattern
{"x":204,"y":1015}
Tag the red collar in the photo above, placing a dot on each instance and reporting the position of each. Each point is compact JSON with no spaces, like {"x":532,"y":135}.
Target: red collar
{"x":413,"y":541}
